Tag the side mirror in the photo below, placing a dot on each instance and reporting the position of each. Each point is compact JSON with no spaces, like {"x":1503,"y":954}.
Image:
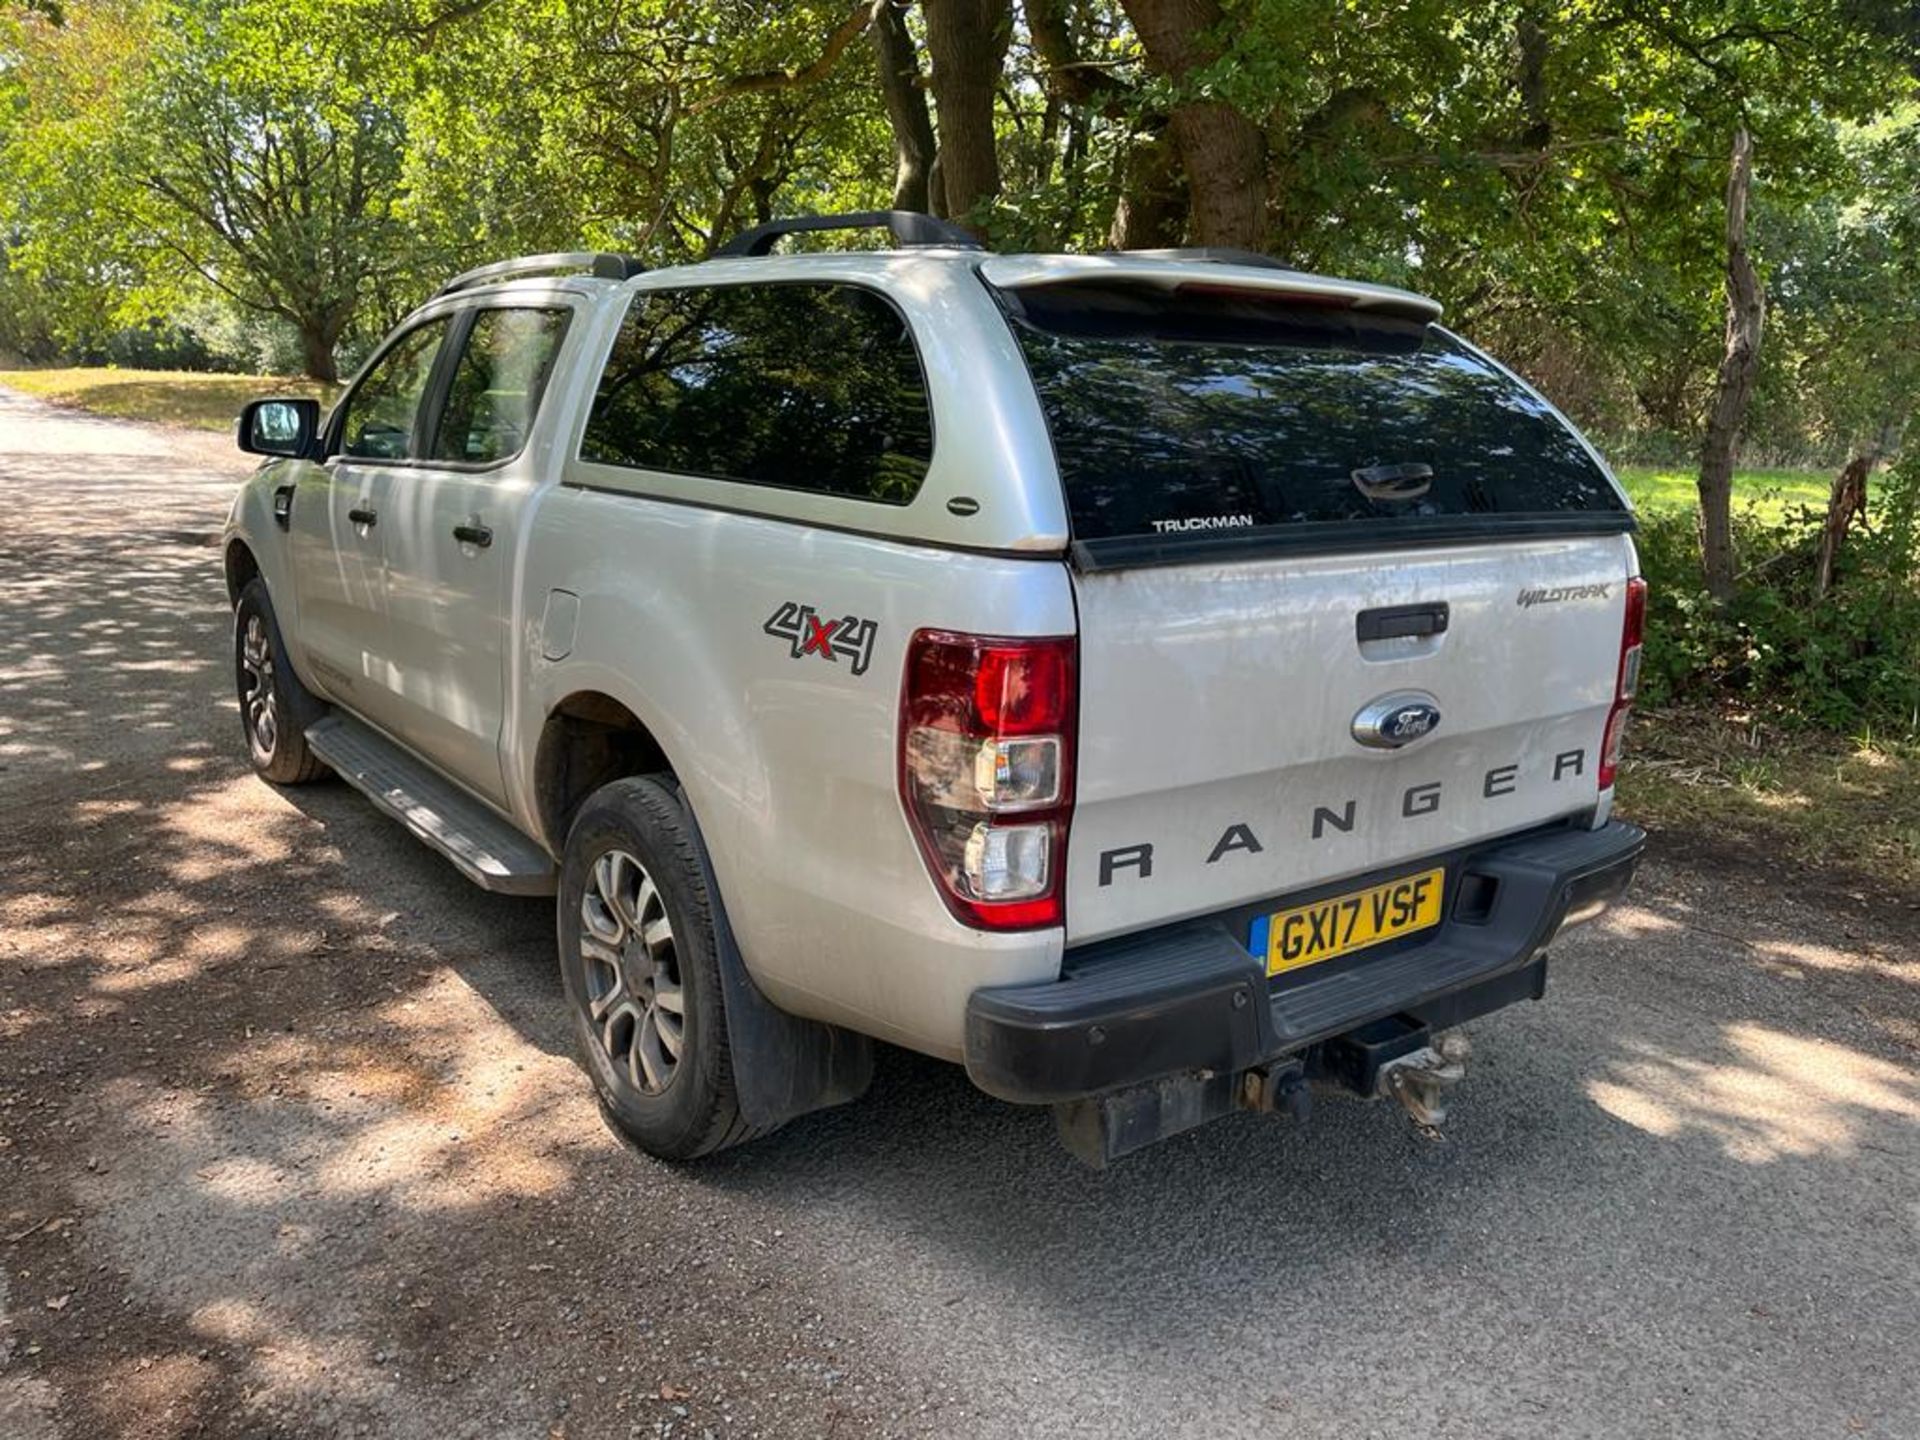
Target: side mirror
{"x":288,"y":427}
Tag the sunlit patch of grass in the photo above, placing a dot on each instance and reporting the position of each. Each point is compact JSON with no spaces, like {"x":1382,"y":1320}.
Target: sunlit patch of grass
{"x":1769,"y":494}
{"x":169,"y":397}
{"x":1848,"y":804}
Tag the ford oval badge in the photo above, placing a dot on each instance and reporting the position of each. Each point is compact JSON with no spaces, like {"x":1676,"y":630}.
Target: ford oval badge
{"x":1396,"y":720}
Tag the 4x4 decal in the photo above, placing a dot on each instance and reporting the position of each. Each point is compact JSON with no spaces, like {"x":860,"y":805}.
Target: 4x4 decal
{"x":807,"y":634}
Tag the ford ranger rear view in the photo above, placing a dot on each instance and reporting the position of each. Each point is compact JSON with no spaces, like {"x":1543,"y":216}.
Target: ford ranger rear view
{"x":1163,"y":683}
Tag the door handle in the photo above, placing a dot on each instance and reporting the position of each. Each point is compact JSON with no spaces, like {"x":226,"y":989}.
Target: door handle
{"x":473,"y":535}
{"x":363,"y":517}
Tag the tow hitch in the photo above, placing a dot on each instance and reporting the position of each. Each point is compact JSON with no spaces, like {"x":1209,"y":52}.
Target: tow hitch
{"x":1420,"y":1081}
{"x":1398,"y":1058}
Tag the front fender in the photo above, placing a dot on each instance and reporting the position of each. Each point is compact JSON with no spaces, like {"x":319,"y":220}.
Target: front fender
{"x":253,"y":542}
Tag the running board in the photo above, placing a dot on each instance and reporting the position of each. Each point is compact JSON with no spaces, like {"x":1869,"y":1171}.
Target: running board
{"x":483,"y":847}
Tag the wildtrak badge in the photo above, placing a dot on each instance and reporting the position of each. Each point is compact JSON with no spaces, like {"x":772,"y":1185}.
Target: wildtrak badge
{"x":1552,"y":595}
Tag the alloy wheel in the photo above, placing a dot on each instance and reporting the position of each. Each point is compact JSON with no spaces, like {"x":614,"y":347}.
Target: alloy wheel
{"x":634,"y":990}
{"x":256,"y":669}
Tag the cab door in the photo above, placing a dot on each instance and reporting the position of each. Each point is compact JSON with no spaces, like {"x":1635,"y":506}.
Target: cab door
{"x":452,"y":522}
{"x":337,"y":542}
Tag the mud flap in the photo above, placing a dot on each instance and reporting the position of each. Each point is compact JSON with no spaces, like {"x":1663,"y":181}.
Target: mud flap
{"x":783,"y":1066}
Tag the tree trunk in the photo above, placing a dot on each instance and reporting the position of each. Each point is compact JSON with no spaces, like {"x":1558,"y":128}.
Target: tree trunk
{"x":1847,"y":502}
{"x":1530,"y":79}
{"x":966,"y":41}
{"x":318,"y":336}
{"x":1746,"y":315}
{"x":899,"y":67}
{"x":1221,"y":149}
{"x":1153,"y":196}
{"x":937,"y":188}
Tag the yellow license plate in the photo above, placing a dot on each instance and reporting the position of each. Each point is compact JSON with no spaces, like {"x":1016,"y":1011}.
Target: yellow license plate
{"x":1342,"y":924}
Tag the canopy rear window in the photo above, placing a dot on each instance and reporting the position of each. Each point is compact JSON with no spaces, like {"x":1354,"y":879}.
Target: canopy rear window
{"x":1201,"y":412}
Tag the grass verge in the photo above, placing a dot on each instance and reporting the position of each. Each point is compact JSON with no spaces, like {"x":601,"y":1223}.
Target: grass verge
{"x":1770,"y":494}
{"x":1846,"y":806}
{"x":169,"y":397}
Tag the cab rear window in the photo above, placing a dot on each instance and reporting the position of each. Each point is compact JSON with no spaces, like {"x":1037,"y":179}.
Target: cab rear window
{"x":1204,"y":411}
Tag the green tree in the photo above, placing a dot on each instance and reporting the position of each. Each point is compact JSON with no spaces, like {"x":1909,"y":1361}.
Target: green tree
{"x":646,"y":125}
{"x":247,"y":147}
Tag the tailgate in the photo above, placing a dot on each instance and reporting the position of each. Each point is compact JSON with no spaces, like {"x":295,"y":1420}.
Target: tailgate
{"x":1218,"y":757}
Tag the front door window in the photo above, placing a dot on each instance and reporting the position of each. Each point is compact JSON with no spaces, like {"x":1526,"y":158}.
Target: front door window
{"x":384,"y":410}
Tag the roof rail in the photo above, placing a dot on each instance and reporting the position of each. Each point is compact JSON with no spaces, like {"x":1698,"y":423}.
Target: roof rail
{"x":908,"y":227}
{"x":600,"y":263}
{"x":1210,"y":254}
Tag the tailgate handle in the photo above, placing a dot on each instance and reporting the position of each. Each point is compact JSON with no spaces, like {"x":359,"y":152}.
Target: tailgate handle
{"x":1394,"y":482}
{"x":1394,"y":622}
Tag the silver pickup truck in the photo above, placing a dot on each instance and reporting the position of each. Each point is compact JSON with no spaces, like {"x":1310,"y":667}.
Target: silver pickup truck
{"x":1160,"y":682}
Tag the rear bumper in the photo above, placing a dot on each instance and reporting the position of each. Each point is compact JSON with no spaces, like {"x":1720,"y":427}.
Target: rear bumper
{"x":1192,"y":998}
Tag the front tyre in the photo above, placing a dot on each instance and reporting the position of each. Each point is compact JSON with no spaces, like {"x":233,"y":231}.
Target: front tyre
{"x":274,"y":705}
{"x":638,"y":959}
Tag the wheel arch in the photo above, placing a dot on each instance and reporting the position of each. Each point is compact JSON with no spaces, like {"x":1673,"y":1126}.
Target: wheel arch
{"x":242,"y":568}
{"x":588,"y":739}
{"x":784,"y":1065}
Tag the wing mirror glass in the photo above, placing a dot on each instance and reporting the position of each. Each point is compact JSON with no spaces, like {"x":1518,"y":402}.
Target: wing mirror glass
{"x":289,"y":427}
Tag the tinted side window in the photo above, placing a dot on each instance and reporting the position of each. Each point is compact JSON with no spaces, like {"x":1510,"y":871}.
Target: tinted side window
{"x":496,"y":387}
{"x":385,"y":406}
{"x":803,"y":386}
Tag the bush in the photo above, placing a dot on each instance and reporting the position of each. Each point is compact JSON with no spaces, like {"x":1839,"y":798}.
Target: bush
{"x":1849,"y":660}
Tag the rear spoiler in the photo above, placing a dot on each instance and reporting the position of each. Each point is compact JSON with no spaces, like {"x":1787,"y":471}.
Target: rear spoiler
{"x":1032,"y":272}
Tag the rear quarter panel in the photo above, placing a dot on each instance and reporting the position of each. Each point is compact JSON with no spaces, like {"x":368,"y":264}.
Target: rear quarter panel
{"x":789,"y":759}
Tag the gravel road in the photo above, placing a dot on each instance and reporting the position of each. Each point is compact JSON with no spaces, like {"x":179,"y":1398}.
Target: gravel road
{"x":291,"y":1144}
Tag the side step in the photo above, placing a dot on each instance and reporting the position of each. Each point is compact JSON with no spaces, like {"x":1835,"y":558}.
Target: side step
{"x":485,"y":848}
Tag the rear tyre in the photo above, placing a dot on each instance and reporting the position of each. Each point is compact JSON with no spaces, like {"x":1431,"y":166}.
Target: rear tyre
{"x":638,"y":959}
{"x":274,"y":706}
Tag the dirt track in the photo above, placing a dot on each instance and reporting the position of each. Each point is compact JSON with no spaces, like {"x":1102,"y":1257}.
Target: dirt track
{"x":290,"y":1142}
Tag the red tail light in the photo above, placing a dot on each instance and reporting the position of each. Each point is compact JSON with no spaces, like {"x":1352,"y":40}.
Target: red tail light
{"x":986,"y":772}
{"x":1627,"y":680}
